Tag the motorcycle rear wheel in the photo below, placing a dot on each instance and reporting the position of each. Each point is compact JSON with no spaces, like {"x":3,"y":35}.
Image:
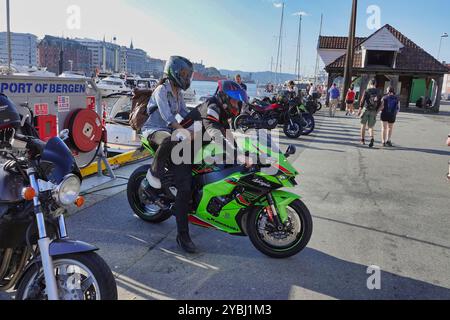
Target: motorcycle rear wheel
{"x":79,"y":277}
{"x":138,"y":200}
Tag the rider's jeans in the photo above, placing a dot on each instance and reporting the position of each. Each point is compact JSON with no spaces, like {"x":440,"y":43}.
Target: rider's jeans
{"x":162,"y":156}
{"x":182,"y":176}
{"x":183,"y":183}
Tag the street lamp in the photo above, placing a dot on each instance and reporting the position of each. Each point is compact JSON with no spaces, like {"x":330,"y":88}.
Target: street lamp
{"x":8,"y":32}
{"x":445,"y":35}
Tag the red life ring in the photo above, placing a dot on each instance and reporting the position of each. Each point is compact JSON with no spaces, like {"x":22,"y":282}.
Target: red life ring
{"x":86,"y":130}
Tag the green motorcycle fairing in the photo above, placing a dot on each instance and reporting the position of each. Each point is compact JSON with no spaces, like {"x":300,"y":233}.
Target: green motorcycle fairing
{"x":221,"y":203}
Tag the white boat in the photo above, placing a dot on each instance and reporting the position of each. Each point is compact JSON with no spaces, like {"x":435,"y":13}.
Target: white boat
{"x":146,"y":83}
{"x":190,"y":97}
{"x":121,"y":137}
{"x":72,"y":75}
{"x":26,"y":71}
{"x":113,"y":85}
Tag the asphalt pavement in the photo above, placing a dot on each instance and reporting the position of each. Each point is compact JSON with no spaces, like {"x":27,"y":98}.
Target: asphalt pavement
{"x":388,"y":208}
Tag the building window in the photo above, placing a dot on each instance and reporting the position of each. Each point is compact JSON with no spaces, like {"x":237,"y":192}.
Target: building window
{"x":380,"y":58}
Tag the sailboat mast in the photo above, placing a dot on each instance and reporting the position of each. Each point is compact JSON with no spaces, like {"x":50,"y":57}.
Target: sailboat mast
{"x":299,"y":46}
{"x":280,"y":45}
{"x":316,"y":71}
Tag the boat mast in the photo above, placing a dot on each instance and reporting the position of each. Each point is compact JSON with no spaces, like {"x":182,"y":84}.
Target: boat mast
{"x":298,"y":63}
{"x":280,"y":45}
{"x":316,"y":70}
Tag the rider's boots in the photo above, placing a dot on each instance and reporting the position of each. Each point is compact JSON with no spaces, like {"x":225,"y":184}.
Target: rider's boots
{"x":154,"y":182}
{"x":185,"y":242}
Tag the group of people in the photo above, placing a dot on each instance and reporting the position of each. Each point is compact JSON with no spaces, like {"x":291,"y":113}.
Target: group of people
{"x":372,"y":103}
{"x":214,"y":114}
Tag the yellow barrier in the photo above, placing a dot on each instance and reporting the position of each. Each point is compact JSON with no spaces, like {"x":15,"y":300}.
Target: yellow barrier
{"x":116,"y":161}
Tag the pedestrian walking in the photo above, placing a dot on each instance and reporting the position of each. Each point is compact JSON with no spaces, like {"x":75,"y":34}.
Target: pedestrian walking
{"x":448,"y":144}
{"x":334,"y":99}
{"x":238,"y":79}
{"x":369,"y":108}
{"x":391,"y":107}
{"x":350,"y":101}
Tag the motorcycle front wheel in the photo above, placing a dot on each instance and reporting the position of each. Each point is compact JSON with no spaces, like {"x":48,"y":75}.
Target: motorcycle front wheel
{"x":293,"y":129}
{"x":310,"y":124}
{"x":319,"y":106}
{"x":280,"y":244}
{"x":78,"y":276}
{"x":241,"y":122}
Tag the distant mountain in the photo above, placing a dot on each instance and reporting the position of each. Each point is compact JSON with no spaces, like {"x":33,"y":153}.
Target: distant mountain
{"x":261,"y":77}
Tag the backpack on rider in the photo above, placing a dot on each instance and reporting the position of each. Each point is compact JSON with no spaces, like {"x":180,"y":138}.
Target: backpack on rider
{"x":139,"y":103}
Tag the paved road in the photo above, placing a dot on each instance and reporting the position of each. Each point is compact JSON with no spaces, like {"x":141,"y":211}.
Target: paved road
{"x":388,"y":208}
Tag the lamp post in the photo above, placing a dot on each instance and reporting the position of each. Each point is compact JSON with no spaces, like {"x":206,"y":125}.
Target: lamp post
{"x":350,"y":52}
{"x":445,"y":35}
{"x":8,"y":35}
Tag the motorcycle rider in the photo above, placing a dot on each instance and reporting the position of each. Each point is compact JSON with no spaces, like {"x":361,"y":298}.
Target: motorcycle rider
{"x":215,"y":115}
{"x":168,"y":100}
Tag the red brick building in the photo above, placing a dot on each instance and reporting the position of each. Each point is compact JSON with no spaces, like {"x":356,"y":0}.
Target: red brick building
{"x":59,"y":55}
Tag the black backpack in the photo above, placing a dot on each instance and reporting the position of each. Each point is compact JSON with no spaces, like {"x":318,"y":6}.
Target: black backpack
{"x":372,"y":100}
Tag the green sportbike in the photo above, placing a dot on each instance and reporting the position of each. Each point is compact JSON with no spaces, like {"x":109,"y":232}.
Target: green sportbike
{"x":234,"y":199}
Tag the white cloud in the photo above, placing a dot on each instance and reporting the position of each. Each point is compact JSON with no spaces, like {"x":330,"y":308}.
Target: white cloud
{"x":277,"y":4}
{"x":300,"y":13}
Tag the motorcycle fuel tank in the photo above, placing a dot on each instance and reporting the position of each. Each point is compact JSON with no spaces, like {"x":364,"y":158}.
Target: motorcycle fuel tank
{"x":11,"y":186}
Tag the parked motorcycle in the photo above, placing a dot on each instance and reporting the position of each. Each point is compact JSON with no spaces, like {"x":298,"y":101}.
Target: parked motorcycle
{"x":312,"y":104}
{"x":37,"y":259}
{"x":264,"y":115}
{"x":234,"y":199}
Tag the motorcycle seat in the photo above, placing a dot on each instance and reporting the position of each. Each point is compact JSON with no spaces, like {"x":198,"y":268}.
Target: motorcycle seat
{"x":265,"y":107}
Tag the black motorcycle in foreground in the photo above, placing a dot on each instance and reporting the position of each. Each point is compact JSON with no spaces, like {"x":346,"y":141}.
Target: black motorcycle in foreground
{"x":37,"y":259}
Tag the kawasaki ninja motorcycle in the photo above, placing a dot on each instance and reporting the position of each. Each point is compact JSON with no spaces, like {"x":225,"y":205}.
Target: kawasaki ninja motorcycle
{"x":234,"y":199}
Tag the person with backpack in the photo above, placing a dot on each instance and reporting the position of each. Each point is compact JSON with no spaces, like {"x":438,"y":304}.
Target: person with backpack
{"x":389,"y":116}
{"x":369,"y":108}
{"x":448,"y":144}
{"x":166,"y":103}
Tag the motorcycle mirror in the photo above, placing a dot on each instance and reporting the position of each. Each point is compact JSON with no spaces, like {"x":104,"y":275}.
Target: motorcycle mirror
{"x":64,"y":135}
{"x":291,"y":150}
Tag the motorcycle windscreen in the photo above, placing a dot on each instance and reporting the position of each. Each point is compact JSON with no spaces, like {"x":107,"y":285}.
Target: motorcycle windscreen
{"x":57,"y":161}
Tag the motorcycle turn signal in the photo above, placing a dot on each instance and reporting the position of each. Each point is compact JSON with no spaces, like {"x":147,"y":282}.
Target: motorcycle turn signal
{"x":28,"y":193}
{"x":80,"y":202}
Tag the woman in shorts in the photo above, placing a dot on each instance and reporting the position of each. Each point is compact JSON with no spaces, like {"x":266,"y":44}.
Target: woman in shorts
{"x":389,"y":116}
{"x":350,"y":101}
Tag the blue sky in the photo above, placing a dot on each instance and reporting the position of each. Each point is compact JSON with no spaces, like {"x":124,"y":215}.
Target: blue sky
{"x":241,"y":34}
{"x":232,"y":34}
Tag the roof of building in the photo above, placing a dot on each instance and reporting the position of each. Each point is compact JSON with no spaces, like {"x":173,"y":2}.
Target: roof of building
{"x":340,"y":43}
{"x":410,"y":58}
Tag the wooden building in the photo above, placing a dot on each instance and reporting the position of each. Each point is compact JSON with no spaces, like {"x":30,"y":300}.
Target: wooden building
{"x":389,"y":57}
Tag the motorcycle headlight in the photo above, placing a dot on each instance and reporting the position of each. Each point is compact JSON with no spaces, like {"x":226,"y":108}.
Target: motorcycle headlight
{"x":68,"y":191}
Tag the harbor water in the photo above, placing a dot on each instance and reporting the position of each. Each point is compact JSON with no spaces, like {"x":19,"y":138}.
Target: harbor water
{"x":206,"y":88}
